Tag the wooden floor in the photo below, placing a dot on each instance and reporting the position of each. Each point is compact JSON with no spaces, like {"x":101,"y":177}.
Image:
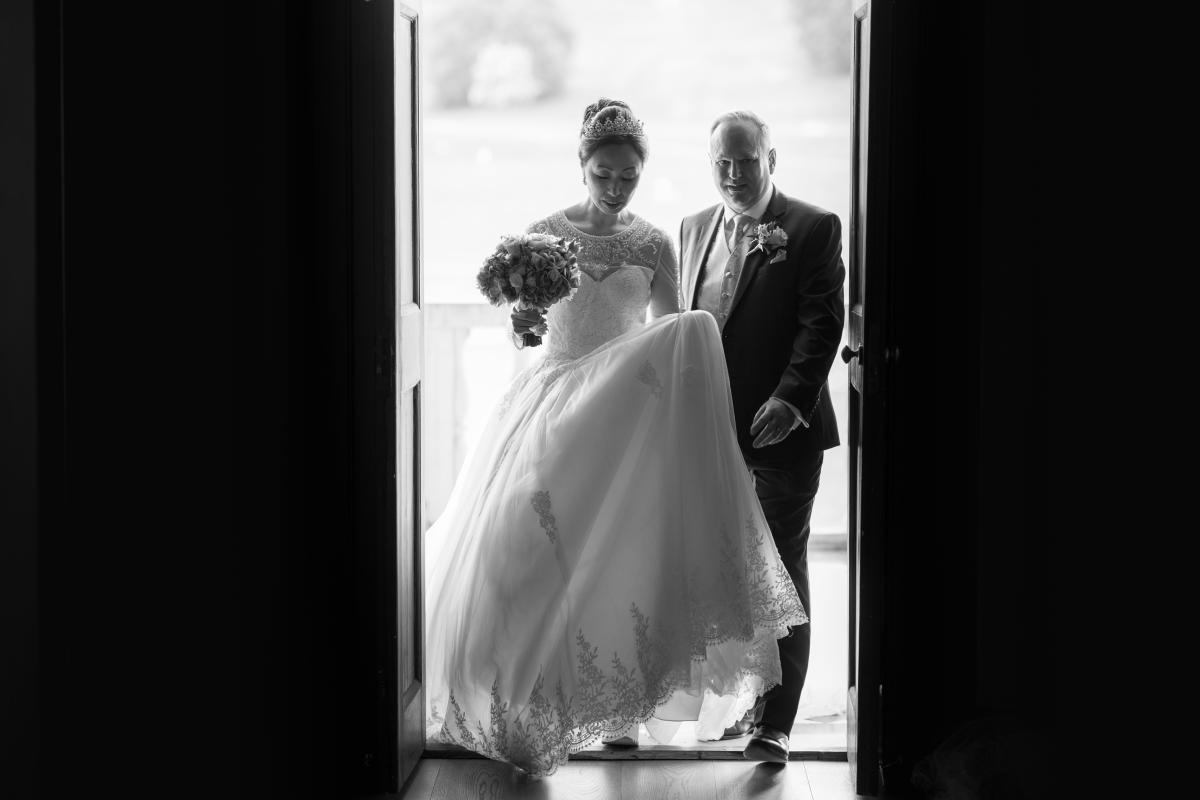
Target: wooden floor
{"x":480,"y":779}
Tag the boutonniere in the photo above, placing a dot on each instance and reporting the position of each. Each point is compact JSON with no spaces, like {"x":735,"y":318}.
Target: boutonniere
{"x":771,"y":239}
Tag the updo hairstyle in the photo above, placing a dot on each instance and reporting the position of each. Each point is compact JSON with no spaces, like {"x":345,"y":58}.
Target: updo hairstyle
{"x":610,"y":122}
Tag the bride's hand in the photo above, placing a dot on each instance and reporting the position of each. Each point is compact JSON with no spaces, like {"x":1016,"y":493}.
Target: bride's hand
{"x":530,"y":320}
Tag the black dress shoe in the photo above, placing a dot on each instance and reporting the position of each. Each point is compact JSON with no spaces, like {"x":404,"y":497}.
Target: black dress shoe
{"x":767,"y":744}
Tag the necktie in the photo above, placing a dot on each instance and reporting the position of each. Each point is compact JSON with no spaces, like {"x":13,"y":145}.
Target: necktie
{"x":736,"y":229}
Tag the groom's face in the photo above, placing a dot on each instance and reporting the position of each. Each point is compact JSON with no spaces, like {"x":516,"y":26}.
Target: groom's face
{"x":741,"y":164}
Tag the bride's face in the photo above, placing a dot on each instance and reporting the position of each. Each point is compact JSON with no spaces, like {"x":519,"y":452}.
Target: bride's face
{"x":612,"y":174}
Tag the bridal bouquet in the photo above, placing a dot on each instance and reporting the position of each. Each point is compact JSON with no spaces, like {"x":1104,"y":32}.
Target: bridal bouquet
{"x":532,"y":270}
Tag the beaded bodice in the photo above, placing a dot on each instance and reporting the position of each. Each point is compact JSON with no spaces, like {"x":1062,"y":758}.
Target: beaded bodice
{"x":615,"y":287}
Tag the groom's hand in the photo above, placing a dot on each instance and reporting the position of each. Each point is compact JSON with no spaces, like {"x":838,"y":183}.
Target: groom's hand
{"x":772,"y":424}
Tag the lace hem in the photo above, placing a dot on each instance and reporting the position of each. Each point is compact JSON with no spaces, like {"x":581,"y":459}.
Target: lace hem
{"x":606,"y":705}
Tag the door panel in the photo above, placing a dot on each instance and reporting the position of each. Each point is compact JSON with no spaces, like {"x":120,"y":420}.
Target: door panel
{"x":861,"y":736}
{"x":868,"y":357}
{"x":387,"y":321}
{"x":409,"y":347}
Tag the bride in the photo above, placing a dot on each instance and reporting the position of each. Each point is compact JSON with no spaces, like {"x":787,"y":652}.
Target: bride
{"x":602,"y":560}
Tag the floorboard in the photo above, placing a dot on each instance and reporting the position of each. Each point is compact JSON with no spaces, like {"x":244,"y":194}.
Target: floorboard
{"x":675,"y":780}
{"x":424,"y":778}
{"x":759,"y":781}
{"x":491,"y":780}
{"x":830,"y":780}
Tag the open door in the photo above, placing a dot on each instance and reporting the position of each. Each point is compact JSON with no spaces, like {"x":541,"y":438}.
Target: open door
{"x":386,"y":320}
{"x":409,"y":349}
{"x":869,"y":359}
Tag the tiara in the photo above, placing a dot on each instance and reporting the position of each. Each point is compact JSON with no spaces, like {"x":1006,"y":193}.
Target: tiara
{"x":623,"y":124}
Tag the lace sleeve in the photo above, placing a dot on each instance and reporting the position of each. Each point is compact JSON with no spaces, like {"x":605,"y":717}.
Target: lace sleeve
{"x":664,"y":287}
{"x":538,"y":226}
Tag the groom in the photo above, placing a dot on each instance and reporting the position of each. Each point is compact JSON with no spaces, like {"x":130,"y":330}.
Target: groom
{"x":768,"y":267}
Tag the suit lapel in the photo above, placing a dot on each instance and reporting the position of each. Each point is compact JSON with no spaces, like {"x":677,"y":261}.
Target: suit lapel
{"x":753,"y":261}
{"x":701,"y":243}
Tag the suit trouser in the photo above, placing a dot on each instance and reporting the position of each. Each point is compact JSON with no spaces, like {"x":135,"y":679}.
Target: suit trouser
{"x":786,"y":495}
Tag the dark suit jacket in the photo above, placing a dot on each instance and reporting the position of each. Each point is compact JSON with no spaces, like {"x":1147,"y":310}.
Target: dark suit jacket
{"x":785,"y":324}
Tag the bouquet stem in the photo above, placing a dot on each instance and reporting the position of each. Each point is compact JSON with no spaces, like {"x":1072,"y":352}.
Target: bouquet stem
{"x":529,"y":338}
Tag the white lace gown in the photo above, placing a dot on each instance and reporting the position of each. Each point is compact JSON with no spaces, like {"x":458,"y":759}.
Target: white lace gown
{"x":603,"y":558}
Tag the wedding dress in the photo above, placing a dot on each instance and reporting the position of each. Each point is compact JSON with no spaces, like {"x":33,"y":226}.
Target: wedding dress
{"x":603,"y":558}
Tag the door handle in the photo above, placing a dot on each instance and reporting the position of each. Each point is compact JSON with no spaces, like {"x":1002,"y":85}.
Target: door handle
{"x":848,"y":354}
